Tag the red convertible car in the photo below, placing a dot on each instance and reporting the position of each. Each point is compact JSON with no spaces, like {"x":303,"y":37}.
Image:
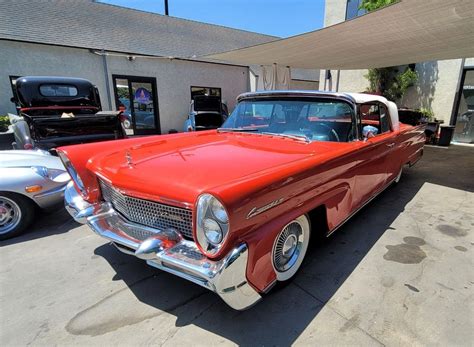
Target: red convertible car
{"x":233,"y":209}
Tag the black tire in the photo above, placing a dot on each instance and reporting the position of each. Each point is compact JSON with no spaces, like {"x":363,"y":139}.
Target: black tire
{"x":8,"y":203}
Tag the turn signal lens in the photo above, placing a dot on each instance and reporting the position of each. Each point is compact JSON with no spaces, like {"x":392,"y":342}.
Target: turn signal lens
{"x":33,"y":189}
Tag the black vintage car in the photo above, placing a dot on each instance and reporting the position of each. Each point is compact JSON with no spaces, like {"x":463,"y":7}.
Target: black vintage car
{"x":206,"y":113}
{"x":57,"y":111}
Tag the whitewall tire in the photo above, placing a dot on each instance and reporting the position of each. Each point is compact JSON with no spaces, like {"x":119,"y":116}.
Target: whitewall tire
{"x":289,"y":248}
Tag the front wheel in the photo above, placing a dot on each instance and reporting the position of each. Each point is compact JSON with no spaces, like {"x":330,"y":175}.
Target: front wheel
{"x":16,"y":214}
{"x":290,"y":248}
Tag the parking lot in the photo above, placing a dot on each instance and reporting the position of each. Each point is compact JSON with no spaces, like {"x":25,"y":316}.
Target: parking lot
{"x":399,"y":272}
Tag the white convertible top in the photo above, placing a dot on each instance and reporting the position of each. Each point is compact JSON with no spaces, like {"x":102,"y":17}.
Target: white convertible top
{"x":362,"y":98}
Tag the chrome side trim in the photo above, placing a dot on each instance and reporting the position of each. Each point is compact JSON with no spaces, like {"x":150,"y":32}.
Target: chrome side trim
{"x":167,"y":251}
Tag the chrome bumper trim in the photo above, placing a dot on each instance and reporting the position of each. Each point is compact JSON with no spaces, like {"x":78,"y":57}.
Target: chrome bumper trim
{"x":165,"y":251}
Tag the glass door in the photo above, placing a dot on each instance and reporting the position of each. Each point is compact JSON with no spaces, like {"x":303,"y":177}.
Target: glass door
{"x":136,"y":97}
{"x":464,"y":121}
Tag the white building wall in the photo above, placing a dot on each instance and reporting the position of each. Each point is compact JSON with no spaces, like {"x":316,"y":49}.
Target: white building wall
{"x":174,"y":78}
{"x":436,"y":87}
{"x":22,"y":59}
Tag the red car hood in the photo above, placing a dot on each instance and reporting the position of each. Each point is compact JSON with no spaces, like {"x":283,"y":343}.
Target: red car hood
{"x":179,"y":168}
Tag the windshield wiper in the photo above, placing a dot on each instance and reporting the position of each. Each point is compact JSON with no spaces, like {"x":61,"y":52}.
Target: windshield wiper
{"x":224,"y":130}
{"x":290,"y":136}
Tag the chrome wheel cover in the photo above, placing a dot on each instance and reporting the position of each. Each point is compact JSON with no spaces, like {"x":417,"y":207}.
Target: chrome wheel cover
{"x":290,"y":248}
{"x":10,"y":215}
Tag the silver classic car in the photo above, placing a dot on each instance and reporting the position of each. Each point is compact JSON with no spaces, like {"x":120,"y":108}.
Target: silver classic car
{"x":29,"y":180}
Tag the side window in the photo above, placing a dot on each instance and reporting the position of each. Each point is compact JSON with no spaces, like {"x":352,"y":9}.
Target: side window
{"x":374,"y":118}
{"x":384,"y":119}
{"x":370,"y":118}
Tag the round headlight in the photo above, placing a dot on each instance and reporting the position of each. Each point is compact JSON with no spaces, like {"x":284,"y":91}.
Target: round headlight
{"x":212,"y":223}
{"x":213,"y":231}
{"x":219,"y":211}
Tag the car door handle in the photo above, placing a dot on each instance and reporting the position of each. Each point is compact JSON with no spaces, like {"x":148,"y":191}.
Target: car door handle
{"x":391,"y":144}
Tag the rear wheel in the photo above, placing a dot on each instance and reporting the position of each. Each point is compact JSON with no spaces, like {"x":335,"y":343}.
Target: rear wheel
{"x":16,"y":214}
{"x":290,"y":248}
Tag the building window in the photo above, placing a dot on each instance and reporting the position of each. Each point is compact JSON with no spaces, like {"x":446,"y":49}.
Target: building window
{"x":205,"y":91}
{"x":353,"y":9}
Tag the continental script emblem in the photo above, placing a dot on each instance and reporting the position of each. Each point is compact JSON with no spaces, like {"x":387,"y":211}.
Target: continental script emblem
{"x":257,"y":210}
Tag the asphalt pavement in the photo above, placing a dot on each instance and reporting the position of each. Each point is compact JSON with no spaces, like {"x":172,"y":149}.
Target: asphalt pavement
{"x":400,"y":272}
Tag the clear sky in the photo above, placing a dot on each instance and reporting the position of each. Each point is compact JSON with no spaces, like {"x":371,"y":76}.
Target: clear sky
{"x":273,"y":17}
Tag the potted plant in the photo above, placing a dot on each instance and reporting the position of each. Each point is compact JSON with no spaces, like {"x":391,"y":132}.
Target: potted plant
{"x":6,"y":135}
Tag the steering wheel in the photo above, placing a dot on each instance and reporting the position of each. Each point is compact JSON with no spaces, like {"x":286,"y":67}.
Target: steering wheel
{"x":329,"y":130}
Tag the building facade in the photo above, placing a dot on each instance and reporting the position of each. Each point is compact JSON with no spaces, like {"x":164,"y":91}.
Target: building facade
{"x":125,"y":52}
{"x":170,"y":80}
{"x":446,"y":87}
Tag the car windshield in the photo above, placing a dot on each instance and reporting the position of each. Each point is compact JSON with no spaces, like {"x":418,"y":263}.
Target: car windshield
{"x":304,"y":119}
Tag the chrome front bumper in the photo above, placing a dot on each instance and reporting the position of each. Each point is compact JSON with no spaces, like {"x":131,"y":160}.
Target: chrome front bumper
{"x":226,"y":277}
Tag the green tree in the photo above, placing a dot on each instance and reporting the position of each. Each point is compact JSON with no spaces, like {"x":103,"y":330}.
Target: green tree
{"x":372,"y":5}
{"x":391,"y":82}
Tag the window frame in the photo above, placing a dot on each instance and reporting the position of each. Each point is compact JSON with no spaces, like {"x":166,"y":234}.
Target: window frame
{"x":359,"y":11}
{"x":203,"y":87}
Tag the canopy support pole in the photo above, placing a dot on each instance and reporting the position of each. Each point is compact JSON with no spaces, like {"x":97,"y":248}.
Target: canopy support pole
{"x":325,"y":79}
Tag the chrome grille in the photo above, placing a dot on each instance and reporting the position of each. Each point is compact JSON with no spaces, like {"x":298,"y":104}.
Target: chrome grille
{"x":149,"y":213}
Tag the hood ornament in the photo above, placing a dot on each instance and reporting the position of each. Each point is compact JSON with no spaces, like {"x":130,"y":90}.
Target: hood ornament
{"x":128,"y":157}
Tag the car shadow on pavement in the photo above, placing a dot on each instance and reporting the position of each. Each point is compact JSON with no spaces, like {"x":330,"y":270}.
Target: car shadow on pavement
{"x":54,"y":221}
{"x":283,"y":314}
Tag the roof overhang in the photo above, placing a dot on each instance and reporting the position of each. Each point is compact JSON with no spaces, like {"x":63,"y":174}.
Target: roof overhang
{"x":409,"y":31}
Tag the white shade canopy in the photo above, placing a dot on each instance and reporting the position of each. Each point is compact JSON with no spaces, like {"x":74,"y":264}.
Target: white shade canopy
{"x":409,"y":31}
